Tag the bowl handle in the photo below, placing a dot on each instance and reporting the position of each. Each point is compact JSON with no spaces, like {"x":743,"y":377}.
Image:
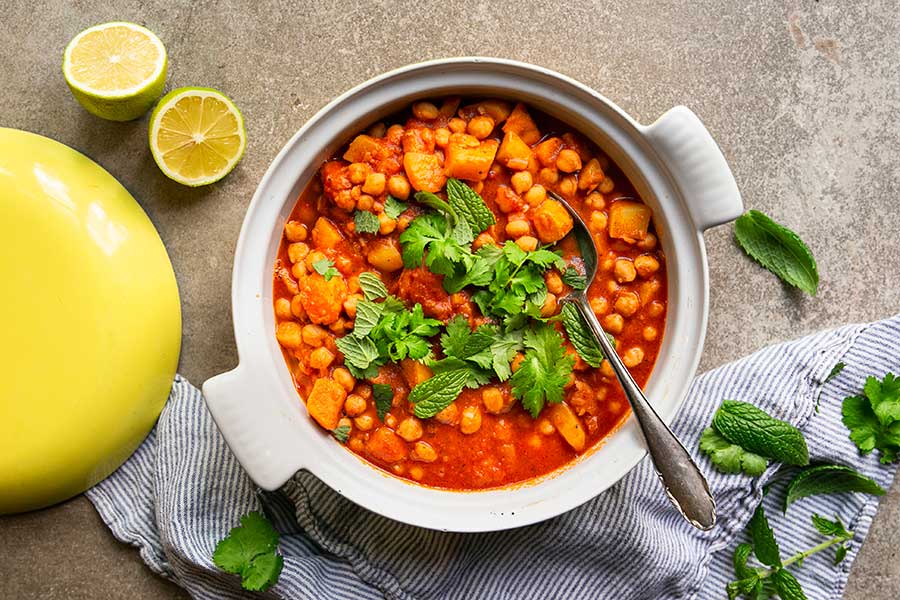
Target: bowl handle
{"x":698,"y":167}
{"x":269,"y":449}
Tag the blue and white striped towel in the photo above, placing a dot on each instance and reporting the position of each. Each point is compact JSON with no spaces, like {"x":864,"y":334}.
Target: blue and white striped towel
{"x":183,"y":490}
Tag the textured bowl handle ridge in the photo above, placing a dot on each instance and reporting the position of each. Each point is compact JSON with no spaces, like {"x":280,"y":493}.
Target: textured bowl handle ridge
{"x":698,"y":167}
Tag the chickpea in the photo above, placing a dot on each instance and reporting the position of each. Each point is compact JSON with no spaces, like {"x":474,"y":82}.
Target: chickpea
{"x":356,"y":444}
{"x":633,"y":357}
{"x":386,"y":224}
{"x":365,"y":202}
{"x":649,"y":333}
{"x":354,"y":405}
{"x":624,"y":270}
{"x":597,"y":222}
{"x":297,"y":251}
{"x":377,"y":130}
{"x":607,"y":185}
{"x":350,"y":305}
{"x":410,"y":429}
{"x":548,"y":176}
{"x":321,"y":358}
{"x":283,"y":309}
{"x":480,"y":126}
{"x":606,"y":369}
{"x":627,"y":304}
{"x":595,"y":200}
{"x":457,"y":125}
{"x":568,"y":186}
{"x":390,"y":420}
{"x":521,"y":181}
{"x":398,"y":187}
{"x":448,"y":416}
{"x":398,"y":469}
{"x":295,"y":231}
{"x":568,"y":161}
{"x":312,"y":258}
{"x":358,"y":172}
{"x":314,"y":335}
{"x":441,"y":137}
{"x":423,"y":452}
{"x":654,"y":309}
{"x":536,"y":195}
{"x":612,"y":287}
{"x":648,"y":243}
{"x":548,"y":309}
{"x":297,"y":307}
{"x":646,"y":266}
{"x":416,"y":472}
{"x":527,"y":243}
{"x":343,"y":377}
{"x":345,"y":199}
{"x":364,"y":422}
{"x":554,"y":282}
{"x":483,"y":239}
{"x":363,"y":390}
{"x":545,"y":426}
{"x":425,"y":111}
{"x":516,"y":228}
{"x":470,"y":421}
{"x":599,"y":305}
{"x":492,"y":398}
{"x":288,"y":334}
{"x":374,"y":184}
{"x":613,"y":323}
{"x":298,"y":270}
{"x":608,"y":264}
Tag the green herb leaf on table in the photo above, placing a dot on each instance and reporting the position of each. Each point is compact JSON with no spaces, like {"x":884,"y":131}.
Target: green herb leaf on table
{"x":469,"y":205}
{"x":728,"y":457}
{"x":787,"y":586}
{"x":572,"y":278}
{"x":251,"y":551}
{"x":764,"y":545}
{"x":754,"y":430}
{"x":372,"y":286}
{"x":325,"y":268}
{"x":393,"y":208}
{"x":835,"y":371}
{"x":436,"y":393}
{"x":829,"y":479}
{"x":580,"y":336}
{"x":383,"y":395}
{"x":778,"y":249}
{"x":840,"y":554}
{"x":366,"y":222}
{"x":873,"y":417}
{"x":545,"y":370}
{"x":341,"y":433}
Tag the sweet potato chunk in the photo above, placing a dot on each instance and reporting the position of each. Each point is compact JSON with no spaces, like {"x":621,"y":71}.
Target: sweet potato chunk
{"x":325,"y":402}
{"x":514,"y":153}
{"x":521,"y":123}
{"x":465,"y":161}
{"x":629,"y":220}
{"x":551,"y":221}
{"x":414,"y":372}
{"x":591,"y":176}
{"x":508,"y":200}
{"x":325,"y":234}
{"x":568,"y":425}
{"x":386,"y":446}
{"x":548,"y":150}
{"x":322,"y":300}
{"x":424,"y":171}
{"x":364,"y":148}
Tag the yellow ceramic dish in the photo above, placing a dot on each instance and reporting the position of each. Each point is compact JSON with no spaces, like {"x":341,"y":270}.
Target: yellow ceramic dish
{"x":89,"y":318}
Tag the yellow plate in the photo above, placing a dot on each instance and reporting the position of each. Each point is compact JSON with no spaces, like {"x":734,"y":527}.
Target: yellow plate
{"x":90,"y":322}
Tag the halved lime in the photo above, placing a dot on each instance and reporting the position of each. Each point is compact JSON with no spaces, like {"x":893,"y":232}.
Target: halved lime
{"x":196,"y":135}
{"x":116,"y":70}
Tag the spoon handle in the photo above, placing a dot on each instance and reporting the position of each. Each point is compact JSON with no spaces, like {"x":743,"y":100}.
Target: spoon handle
{"x":682,"y":480}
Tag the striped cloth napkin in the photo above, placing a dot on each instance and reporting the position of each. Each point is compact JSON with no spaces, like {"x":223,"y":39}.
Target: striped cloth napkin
{"x":182,"y":491}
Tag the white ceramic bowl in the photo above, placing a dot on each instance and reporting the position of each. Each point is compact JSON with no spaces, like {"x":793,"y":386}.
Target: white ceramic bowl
{"x":675,"y":166}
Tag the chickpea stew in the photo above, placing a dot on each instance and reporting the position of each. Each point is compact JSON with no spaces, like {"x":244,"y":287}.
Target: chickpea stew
{"x":417,"y":288}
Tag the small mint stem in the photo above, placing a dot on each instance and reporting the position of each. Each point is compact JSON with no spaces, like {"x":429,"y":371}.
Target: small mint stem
{"x":807,"y":553}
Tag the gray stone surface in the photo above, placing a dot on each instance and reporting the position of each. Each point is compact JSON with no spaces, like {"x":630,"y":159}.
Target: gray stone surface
{"x":802,"y":96}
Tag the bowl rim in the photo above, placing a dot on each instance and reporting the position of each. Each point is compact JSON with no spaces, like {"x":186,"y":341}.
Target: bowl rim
{"x":496,"y":508}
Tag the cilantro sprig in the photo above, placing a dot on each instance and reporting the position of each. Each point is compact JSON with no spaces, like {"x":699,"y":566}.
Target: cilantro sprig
{"x":873,"y":418}
{"x":251,"y":551}
{"x":543,"y":375}
{"x":325,"y":268}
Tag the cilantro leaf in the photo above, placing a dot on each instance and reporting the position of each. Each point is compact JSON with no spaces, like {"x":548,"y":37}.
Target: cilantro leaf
{"x":421,"y":231}
{"x":572,"y":278}
{"x":545,"y":370}
{"x":384,"y":398}
{"x":366,"y":222}
{"x":393,"y":208}
{"x":728,"y":457}
{"x":325,"y":268}
{"x":830,"y":528}
{"x":580,"y":336}
{"x":372,"y":286}
{"x":341,"y":433}
{"x":764,"y":545}
{"x":503,"y":350}
{"x":753,"y":429}
{"x":251,"y":551}
{"x":829,"y":479}
{"x":469,"y":205}
{"x":454,"y":339}
{"x":778,"y":249}
{"x":437,"y":393}
{"x":871,"y":417}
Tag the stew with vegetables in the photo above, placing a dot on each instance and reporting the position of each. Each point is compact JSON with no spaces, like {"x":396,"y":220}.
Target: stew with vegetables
{"x":417,"y":294}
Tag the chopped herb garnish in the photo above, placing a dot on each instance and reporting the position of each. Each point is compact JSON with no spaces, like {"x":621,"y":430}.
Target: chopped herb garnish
{"x":393,"y":208}
{"x":325,"y":268}
{"x":341,"y":433}
{"x":572,"y":278}
{"x":366,"y":222}
{"x":384,"y":398}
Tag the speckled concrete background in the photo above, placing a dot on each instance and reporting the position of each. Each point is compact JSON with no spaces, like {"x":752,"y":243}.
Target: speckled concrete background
{"x":802,"y":96}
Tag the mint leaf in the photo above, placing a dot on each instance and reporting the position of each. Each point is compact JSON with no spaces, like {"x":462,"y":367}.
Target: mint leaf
{"x":366,"y":222}
{"x":469,"y":205}
{"x":830,"y":528}
{"x":764,"y":545}
{"x":359,"y":352}
{"x":393,"y":208}
{"x":572,"y":278}
{"x":829,"y":479}
{"x":741,"y":554}
{"x":433,"y":201}
{"x":580,"y":336}
{"x":372,"y":286}
{"x":871,"y":418}
{"x":787,"y":586}
{"x":384,"y":398}
{"x":367,"y":316}
{"x":437,"y":393}
{"x":544,"y":372}
{"x":341,"y":433}
{"x":728,"y":457}
{"x":778,"y":249}
{"x":753,"y":429}
{"x":325,"y":268}
{"x":835,"y":371}
{"x":251,"y":551}
{"x":840,"y":554}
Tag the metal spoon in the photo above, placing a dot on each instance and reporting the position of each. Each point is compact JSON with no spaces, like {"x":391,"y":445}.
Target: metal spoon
{"x":682,"y":481}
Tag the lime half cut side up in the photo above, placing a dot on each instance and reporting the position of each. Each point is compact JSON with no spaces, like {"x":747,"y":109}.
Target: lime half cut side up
{"x":196,"y":135}
{"x":116,"y":70}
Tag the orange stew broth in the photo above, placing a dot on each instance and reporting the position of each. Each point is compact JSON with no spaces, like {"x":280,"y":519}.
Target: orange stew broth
{"x":509,"y":446}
